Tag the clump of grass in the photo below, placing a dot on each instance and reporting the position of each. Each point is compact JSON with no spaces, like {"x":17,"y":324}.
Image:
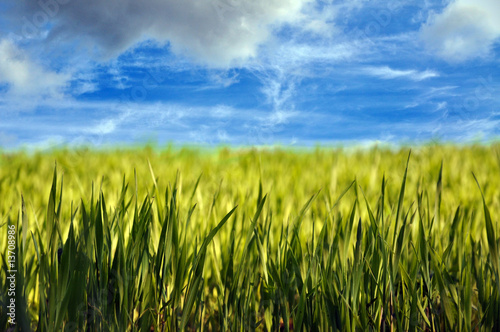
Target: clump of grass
{"x":277,"y":245}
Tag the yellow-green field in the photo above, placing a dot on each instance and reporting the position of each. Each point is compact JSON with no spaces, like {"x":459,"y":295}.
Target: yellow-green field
{"x":316,"y":240}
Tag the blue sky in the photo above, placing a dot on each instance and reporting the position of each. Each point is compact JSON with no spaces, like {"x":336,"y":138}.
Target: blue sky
{"x":234,"y":72}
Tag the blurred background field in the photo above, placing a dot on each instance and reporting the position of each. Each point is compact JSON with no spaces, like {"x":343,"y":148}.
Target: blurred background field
{"x":258,"y":234}
{"x":289,"y":176}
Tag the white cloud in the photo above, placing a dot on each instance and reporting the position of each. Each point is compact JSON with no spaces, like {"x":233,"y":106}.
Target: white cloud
{"x":464,"y":30}
{"x":281,"y":117}
{"x":442,"y":105}
{"x":105,"y":127}
{"x":386,"y":72}
{"x":221,"y":111}
{"x":216,"y":32}
{"x":25,"y":77}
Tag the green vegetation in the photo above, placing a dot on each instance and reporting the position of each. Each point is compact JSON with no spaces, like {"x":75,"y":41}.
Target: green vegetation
{"x":253,"y":239}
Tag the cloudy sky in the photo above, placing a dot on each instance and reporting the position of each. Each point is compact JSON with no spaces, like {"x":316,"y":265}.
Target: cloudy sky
{"x":240,"y":72}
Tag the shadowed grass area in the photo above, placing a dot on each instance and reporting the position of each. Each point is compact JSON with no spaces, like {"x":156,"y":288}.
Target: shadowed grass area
{"x":328,"y":239}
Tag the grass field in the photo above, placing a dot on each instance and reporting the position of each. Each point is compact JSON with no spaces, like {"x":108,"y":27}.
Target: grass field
{"x":317,"y":240}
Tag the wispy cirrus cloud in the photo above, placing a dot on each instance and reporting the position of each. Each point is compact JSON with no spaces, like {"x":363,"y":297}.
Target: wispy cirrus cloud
{"x":385,"y":72}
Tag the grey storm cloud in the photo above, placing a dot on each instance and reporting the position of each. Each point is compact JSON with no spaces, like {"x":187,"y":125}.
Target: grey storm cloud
{"x":215,"y":32}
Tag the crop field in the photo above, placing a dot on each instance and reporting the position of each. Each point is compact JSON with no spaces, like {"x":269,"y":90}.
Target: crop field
{"x":251,"y":239}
